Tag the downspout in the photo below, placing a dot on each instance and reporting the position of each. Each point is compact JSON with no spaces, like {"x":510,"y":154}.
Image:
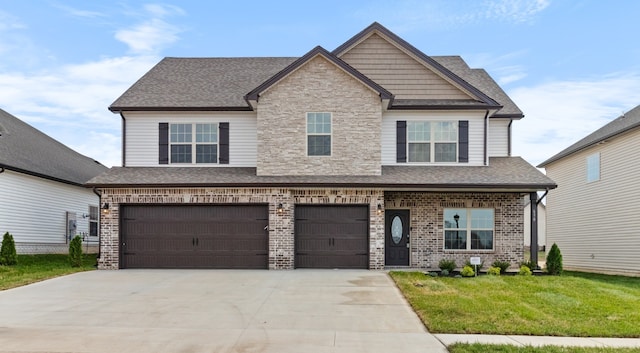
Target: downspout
{"x":124,"y":139}
{"x":95,"y":191}
{"x":509,"y":138}
{"x":533,"y":204}
{"x":486,"y":136}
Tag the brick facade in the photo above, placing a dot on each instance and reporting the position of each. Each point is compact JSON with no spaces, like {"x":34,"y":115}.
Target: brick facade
{"x":281,"y":225}
{"x":319,"y":86}
{"x":427,"y":225}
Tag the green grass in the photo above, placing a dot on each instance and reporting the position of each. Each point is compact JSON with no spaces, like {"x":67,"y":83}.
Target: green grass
{"x":35,"y":268}
{"x":482,"y":348}
{"x":574,"y":304}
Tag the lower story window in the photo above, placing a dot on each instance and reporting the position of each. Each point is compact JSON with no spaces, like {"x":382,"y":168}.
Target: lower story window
{"x":93,"y":221}
{"x":468,"y":228}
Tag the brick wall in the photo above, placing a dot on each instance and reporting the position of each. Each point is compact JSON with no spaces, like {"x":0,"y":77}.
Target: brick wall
{"x":281,"y":225}
{"x":319,"y":86}
{"x":427,"y":225}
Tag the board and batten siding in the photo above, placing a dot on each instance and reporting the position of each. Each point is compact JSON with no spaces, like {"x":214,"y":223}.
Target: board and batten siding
{"x":476,"y":133}
{"x":141,"y":140}
{"x":498,"y":138}
{"x":399,"y":72}
{"x":34,"y":210}
{"x":597,"y":224}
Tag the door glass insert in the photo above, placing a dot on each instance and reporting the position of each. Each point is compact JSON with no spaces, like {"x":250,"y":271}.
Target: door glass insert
{"x":396,"y":229}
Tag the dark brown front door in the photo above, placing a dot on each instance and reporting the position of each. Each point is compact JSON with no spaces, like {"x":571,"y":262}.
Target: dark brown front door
{"x":332,"y":236}
{"x":396,"y":238}
{"x":189,"y":236}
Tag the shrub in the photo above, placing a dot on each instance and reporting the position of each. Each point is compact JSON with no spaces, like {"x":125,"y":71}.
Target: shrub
{"x":524,"y":271}
{"x":502,"y":265}
{"x":529,"y":264}
{"x":433,"y":274}
{"x":494,"y":270}
{"x":554,"y":260}
{"x":467,"y":271}
{"x":445,"y":273}
{"x":8,"y":256}
{"x":448,"y":265}
{"x":75,"y":251}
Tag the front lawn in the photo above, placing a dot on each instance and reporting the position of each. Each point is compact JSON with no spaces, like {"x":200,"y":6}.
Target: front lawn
{"x":35,"y":268}
{"x":483,"y":348}
{"x":574,"y":304}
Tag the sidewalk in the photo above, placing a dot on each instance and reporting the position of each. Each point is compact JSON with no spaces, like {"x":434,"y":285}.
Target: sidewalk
{"x":537,"y":341}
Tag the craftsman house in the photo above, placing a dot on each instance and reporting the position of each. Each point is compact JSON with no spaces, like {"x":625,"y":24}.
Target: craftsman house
{"x":43,"y":201}
{"x":372,"y":155}
{"x":593,"y":214}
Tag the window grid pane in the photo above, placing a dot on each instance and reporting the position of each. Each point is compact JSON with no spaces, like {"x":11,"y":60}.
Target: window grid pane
{"x":445,"y":131}
{"x":419,"y":152}
{"x":180,"y":153}
{"x":419,"y":131}
{"x":319,"y":145}
{"x":180,"y":133}
{"x":445,"y":152}
{"x":318,"y":134}
{"x":207,"y":133}
{"x":206,"y":153}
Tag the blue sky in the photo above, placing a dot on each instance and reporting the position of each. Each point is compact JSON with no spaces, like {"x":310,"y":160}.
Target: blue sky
{"x":570,"y":65}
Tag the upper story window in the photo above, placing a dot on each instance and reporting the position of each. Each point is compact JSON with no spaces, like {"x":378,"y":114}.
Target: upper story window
{"x":432,"y":141}
{"x":318,"y":134}
{"x":468,"y":229}
{"x":189,"y":140}
{"x":593,"y":167}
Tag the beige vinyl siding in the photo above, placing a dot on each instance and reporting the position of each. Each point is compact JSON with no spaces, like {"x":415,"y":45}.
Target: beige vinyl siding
{"x":597,"y":224}
{"x":141,"y":140}
{"x":498,"y":138}
{"x":542,"y":224}
{"x":476,"y":132}
{"x":34,"y":209}
{"x":399,"y":72}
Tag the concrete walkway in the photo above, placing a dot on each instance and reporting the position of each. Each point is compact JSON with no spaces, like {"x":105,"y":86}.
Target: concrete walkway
{"x":537,"y":341}
{"x":212,"y":311}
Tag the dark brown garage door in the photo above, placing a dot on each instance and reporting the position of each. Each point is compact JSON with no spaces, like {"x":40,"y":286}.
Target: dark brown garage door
{"x":160,"y":236}
{"x":332,"y":236}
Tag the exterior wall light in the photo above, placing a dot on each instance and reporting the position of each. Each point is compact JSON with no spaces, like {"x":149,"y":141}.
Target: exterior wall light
{"x":105,"y":208}
{"x":280,"y":209}
{"x":379,"y":210}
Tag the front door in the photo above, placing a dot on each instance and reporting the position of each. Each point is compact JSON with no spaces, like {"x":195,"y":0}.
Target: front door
{"x":396,"y":238}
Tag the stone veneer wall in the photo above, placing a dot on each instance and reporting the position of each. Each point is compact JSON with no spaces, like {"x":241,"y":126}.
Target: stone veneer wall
{"x":281,"y":226}
{"x":427,"y":225}
{"x":319,"y":86}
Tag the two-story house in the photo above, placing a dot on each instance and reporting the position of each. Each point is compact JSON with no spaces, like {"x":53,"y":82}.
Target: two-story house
{"x":369,"y":156}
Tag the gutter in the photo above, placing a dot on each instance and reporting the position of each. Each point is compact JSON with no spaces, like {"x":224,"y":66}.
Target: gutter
{"x":39,"y":175}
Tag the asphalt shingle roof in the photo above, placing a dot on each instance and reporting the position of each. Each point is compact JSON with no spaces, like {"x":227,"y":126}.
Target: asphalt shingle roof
{"x":512,"y":173}
{"x":26,"y":149}
{"x":630,"y":120}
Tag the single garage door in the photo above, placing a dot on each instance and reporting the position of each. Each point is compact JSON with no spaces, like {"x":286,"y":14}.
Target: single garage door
{"x":332,"y":236}
{"x":161,"y":236}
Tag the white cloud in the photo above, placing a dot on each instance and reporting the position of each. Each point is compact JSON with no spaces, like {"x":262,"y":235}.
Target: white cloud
{"x":153,"y":34}
{"x":80,"y":13}
{"x":499,"y":66}
{"x":9,"y":22}
{"x":517,"y":11}
{"x":558,"y":114}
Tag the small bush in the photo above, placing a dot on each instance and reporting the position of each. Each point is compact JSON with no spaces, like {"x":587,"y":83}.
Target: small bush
{"x":433,"y":274}
{"x":468,"y":263}
{"x":529,"y":264}
{"x":554,"y":260}
{"x":502,"y":265}
{"x":8,"y":256}
{"x":525,"y":271}
{"x":494,"y":271}
{"x":75,"y":251}
{"x":467,"y":271}
{"x":444,"y":273}
{"x":448,"y":265}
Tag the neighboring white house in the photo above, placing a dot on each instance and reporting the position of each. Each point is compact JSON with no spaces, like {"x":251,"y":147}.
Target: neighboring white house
{"x":43,"y":200}
{"x":542,"y":227}
{"x":594,"y":214}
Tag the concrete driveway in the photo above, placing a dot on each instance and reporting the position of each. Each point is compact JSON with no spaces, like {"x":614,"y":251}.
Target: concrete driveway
{"x":212,"y":311}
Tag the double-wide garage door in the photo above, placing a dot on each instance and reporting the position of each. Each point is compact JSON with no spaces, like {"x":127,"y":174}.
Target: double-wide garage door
{"x":332,"y":236}
{"x":160,"y":236}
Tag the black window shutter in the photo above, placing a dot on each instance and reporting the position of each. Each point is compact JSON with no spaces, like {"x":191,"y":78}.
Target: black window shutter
{"x":463,"y":141}
{"x":401,"y":141}
{"x":224,"y":143}
{"x":163,"y":146}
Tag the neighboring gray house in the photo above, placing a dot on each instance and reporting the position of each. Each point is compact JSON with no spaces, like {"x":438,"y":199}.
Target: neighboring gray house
{"x":42,"y":198}
{"x":372,"y":155}
{"x":593,"y":215}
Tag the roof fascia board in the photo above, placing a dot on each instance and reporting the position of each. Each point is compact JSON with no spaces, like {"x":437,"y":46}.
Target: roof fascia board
{"x":39,"y":175}
{"x":416,"y":54}
{"x":117,"y":109}
{"x":254,"y":95}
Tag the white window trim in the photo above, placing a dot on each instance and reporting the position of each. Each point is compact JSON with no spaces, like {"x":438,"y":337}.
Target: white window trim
{"x":468,"y":230}
{"x":97,"y":220}
{"x":193,"y":143}
{"x":593,"y":165}
{"x":432,"y":142}
{"x":307,"y":134}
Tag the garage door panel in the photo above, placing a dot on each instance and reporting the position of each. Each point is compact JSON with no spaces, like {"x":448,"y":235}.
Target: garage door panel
{"x":332,"y":236}
{"x":230,"y":236}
